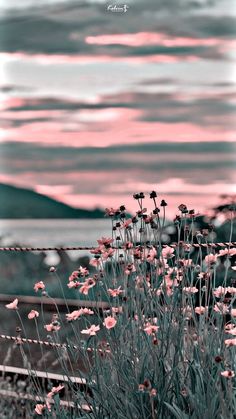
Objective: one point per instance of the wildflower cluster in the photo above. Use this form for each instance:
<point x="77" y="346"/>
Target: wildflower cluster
<point x="163" y="344"/>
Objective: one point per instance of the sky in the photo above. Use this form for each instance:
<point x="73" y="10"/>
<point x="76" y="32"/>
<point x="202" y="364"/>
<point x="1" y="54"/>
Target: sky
<point x="97" y="105"/>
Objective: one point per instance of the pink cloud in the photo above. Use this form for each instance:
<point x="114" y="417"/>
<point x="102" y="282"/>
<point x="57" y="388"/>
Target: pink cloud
<point x="152" y="38"/>
<point x="54" y="190"/>
<point x="11" y="102"/>
<point x="121" y="131"/>
<point x="193" y="194"/>
<point x="47" y="59"/>
<point x="173" y="186"/>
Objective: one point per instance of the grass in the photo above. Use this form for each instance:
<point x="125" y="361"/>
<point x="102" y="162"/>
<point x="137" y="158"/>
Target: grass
<point x="165" y="347"/>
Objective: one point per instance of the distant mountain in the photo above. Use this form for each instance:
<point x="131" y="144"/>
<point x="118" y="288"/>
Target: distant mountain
<point x="25" y="203"/>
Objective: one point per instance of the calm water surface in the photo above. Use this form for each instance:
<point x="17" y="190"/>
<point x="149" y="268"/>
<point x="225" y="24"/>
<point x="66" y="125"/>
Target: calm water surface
<point x="48" y="233"/>
<point x="54" y="232"/>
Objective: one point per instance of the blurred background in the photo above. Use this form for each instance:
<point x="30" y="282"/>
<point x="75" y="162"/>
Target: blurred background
<point x="99" y="102"/>
<point x="96" y="105"/>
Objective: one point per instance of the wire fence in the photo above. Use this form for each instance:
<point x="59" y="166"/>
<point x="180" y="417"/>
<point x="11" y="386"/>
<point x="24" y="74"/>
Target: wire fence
<point x="20" y="340"/>
<point x="174" y="245"/>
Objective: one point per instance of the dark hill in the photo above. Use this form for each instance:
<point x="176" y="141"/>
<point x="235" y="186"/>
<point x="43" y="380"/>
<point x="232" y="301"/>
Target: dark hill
<point x="25" y="203"/>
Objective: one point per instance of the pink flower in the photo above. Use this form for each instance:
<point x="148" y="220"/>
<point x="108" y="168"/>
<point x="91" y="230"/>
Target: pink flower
<point x="153" y="392"/>
<point x="223" y="252"/>
<point x="51" y="327"/>
<point x="187" y="262"/>
<point x="89" y="283"/>
<point x="219" y="292"/>
<point x="210" y="259"/>
<point x="110" y="211"/>
<point x="110" y="322"/>
<point x="233" y="312"/>
<point x="231" y="290"/>
<point x="229" y="326"/>
<point x="84" y="289"/>
<point x="83" y="271"/>
<point x="13" y="305"/>
<point x="150" y="328"/>
<point x="187" y="247"/>
<point x="58" y="388"/>
<point x="91" y="330"/>
<point x="77" y="313"/>
<point x="54" y="391"/>
<point x="95" y="262"/>
<point x="32" y="314"/>
<point x="141" y="212"/>
<point x="168" y="252"/>
<point x="115" y="292"/>
<point x="116" y="309"/>
<point x="202" y="275"/>
<point x="73" y="276"/>
<point x="228" y="374"/>
<point x="97" y="251"/>
<point x="127" y="223"/>
<point x="167" y="286"/>
<point x="232" y="331"/>
<point x="86" y="311"/>
<point x="230" y="342"/>
<point x="151" y="255"/>
<point x="200" y="310"/>
<point x="128" y="245"/>
<point x="169" y="282"/>
<point x="137" y="253"/>
<point x="190" y="290"/>
<point x="221" y="308"/>
<point x="108" y="253"/>
<point x="229" y="252"/>
<point x="130" y="268"/>
<point x="106" y="241"/>
<point x="39" y="286"/>
<point x="187" y="312"/>
<point x="39" y="408"/>
<point x="73" y="316"/>
<point x="73" y="284"/>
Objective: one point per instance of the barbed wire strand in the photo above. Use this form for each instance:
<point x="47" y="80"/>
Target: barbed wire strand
<point x="19" y="340"/>
<point x="58" y="249"/>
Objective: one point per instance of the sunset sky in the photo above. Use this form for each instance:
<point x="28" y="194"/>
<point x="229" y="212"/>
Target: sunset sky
<point x="98" y="105"/>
